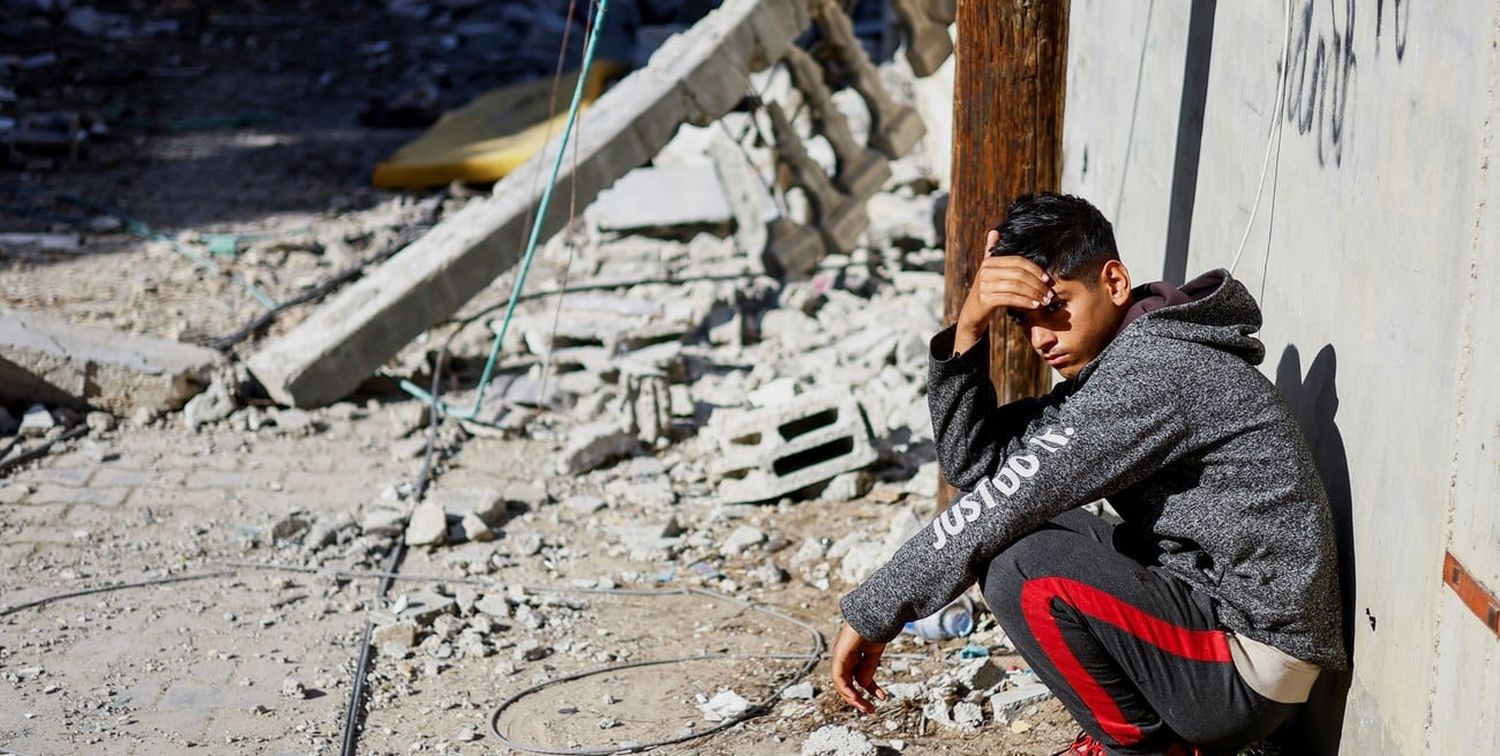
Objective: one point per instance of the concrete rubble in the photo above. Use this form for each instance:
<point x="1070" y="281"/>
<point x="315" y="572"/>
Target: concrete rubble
<point x="50" y="360"/>
<point x="838" y="740"/>
<point x="634" y="203"/>
<point x="694" y="77"/>
<point x="731" y="396"/>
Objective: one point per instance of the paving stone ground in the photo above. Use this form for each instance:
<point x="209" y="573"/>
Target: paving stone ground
<point x="201" y="665"/>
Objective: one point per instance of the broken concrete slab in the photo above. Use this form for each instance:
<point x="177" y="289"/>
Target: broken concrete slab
<point x="978" y="674"/>
<point x="382" y="521"/>
<point x="742" y="538"/>
<point x="581" y="506"/>
<point x="51" y="360"/>
<point x="652" y="199"/>
<point x="421" y="607"/>
<point x="1005" y="705"/>
<point x="848" y="486"/>
<point x="652" y="492"/>
<point x="395" y="638"/>
<point x="803" y="690"/>
<point x="527" y="494"/>
<point x="574" y="329"/>
<point x="650" y="541"/>
<point x="695" y="77"/>
<point x="749" y="198"/>
<point x="475" y="528"/>
<point x="493" y="605"/>
<point x="591" y="446"/>
<point x="967" y="717"/>
<point x="488" y="504"/>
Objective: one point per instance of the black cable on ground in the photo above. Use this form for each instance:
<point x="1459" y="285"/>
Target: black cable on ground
<point x="353" y="714"/>
<point x="406" y="237"/>
<point x="753" y="711"/>
<point x="810" y="660"/>
<point x="42" y="449"/>
<point x="352" y="717"/>
<point x="9" y="610"/>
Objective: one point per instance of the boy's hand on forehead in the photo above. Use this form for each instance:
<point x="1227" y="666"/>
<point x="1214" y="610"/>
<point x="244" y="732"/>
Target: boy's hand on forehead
<point x="1002" y="281"/>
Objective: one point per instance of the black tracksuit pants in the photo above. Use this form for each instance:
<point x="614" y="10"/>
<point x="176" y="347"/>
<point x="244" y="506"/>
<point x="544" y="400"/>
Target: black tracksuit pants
<point x="1135" y="654"/>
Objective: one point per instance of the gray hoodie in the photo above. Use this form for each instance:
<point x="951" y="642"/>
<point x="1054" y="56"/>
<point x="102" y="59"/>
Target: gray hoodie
<point x="1172" y="423"/>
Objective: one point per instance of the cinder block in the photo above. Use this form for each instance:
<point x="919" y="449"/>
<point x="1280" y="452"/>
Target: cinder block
<point x="775" y="451"/>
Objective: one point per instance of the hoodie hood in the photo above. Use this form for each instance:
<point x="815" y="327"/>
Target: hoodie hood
<point x="1213" y="309"/>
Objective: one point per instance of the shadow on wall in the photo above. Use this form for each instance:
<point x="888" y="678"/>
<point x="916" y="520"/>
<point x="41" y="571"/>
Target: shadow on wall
<point x="1314" y="399"/>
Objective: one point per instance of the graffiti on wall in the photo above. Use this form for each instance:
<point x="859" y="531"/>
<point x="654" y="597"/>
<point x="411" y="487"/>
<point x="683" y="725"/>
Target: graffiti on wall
<point x="1400" y="15"/>
<point x="1323" y="67"/>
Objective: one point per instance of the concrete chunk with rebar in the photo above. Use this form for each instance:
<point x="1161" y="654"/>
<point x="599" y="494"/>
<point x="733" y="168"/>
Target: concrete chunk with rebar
<point x="695" y="77"/>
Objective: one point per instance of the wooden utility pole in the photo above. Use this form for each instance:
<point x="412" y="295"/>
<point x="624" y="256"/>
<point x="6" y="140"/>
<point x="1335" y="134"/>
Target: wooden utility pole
<point x="1008" y="87"/>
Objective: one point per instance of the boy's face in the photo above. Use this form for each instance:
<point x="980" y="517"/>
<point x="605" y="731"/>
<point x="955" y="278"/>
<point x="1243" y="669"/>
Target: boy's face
<point x="1081" y="320"/>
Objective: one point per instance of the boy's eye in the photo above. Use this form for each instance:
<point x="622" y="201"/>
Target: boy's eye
<point x="1054" y="306"/>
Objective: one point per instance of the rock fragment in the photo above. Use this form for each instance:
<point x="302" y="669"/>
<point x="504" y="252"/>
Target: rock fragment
<point x="428" y="526"/>
<point x="591" y="446"/>
<point x="837" y="740"/>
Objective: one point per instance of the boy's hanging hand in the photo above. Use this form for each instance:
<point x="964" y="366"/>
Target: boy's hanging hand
<point x="854" y="663"/>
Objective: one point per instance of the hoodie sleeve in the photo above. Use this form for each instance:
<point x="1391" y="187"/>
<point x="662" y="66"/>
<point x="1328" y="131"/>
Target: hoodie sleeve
<point x="1114" y="431"/>
<point x="970" y="431"/>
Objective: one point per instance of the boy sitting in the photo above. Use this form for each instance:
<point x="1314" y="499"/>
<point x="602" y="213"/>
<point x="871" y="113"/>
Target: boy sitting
<point x="1203" y="617"/>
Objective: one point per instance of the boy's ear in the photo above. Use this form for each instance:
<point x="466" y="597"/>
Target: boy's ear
<point x="1115" y="278"/>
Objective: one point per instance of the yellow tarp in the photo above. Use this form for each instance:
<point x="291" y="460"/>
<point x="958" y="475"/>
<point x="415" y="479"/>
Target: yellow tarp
<point x="491" y="136"/>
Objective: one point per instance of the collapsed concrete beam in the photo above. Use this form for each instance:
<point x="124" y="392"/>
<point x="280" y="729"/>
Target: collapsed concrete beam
<point x="695" y="77"/>
<point x="45" y="359"/>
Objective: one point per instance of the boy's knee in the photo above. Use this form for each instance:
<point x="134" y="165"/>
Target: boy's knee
<point x="1028" y="557"/>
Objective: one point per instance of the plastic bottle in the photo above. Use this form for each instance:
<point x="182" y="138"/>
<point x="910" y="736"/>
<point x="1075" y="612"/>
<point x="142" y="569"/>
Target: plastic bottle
<point x="952" y="621"/>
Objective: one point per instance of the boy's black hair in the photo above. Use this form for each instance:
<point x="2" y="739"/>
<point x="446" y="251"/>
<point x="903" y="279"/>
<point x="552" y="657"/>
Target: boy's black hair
<point x="1063" y="234"/>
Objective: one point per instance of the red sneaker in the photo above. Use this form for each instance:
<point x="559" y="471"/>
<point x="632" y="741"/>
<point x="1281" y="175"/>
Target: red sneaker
<point x="1084" y="745"/>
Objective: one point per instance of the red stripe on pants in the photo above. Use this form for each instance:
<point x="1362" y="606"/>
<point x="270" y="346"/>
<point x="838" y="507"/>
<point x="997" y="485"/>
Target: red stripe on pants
<point x="1036" y="605"/>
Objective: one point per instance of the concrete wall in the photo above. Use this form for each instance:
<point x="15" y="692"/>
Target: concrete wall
<point x="1375" y="253"/>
